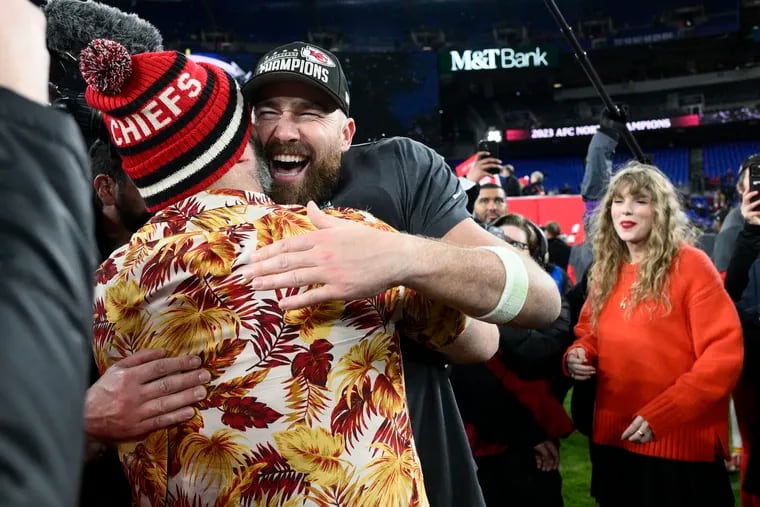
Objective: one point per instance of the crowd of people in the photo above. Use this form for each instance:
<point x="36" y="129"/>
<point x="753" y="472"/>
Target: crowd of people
<point x="277" y="316"/>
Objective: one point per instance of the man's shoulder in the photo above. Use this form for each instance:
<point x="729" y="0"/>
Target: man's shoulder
<point x="390" y="144"/>
<point x="390" y="149"/>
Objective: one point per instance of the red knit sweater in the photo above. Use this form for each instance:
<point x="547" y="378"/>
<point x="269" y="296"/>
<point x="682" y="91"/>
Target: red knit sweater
<point x="676" y="371"/>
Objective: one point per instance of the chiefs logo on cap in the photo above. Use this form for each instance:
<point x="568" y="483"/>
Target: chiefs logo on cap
<point x="315" y="55"/>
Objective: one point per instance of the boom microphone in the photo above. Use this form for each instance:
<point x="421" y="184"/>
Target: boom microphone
<point x="73" y="24"/>
<point x="596" y="82"/>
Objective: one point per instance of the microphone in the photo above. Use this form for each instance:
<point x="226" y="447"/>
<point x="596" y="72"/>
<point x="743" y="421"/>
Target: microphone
<point x="73" y="24"/>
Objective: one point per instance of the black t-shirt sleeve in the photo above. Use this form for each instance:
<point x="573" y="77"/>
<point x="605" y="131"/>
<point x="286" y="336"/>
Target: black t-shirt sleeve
<point x="433" y="198"/>
<point x="404" y="183"/>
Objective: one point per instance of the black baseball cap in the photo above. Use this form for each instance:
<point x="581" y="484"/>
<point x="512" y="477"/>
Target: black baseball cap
<point x="751" y="160"/>
<point x="302" y="62"/>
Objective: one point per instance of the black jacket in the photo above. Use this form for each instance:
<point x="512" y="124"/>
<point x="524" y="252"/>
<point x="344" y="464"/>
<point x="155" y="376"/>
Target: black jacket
<point x="747" y="395"/>
<point x="532" y="354"/>
<point x="537" y="353"/>
<point x="746" y="251"/>
<point x="46" y="260"/>
<point x="559" y="252"/>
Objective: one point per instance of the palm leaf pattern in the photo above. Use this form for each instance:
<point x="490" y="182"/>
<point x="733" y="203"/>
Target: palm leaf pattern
<point x="304" y="408"/>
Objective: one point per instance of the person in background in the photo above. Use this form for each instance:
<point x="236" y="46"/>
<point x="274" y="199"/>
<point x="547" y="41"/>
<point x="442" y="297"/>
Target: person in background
<point x="512" y="404"/>
<point x="47" y="251"/>
<point x="559" y="251"/>
<point x="536" y="185"/>
<point x="733" y="222"/>
<point x="724" y="245"/>
<point x="490" y="204"/>
<point x="119" y="211"/>
<point x="537" y="245"/>
<point x="746" y="396"/>
<point x="509" y="182"/>
<point x="596" y="178"/>
<point x="479" y="169"/>
<point x="660" y="434"/>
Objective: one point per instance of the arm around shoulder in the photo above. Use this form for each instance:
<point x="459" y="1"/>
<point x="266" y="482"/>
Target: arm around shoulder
<point x="485" y="273"/>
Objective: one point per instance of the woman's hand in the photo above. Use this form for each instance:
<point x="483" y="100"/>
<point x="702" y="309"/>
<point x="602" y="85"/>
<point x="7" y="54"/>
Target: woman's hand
<point x="576" y="364"/>
<point x="638" y="432"/>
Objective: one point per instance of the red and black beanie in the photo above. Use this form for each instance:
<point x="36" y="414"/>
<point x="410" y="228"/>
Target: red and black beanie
<point x="178" y="125"/>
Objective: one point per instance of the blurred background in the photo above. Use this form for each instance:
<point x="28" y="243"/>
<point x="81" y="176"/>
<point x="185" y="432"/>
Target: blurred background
<point x="452" y="72"/>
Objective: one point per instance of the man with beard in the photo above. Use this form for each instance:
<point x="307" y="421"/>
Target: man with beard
<point x="490" y="204"/>
<point x="306" y="407"/>
<point x="120" y="211"/>
<point x="420" y="196"/>
<point x="301" y="103"/>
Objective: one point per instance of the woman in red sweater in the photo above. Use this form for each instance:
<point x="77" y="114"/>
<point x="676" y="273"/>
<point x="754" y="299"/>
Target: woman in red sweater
<point x="664" y="341"/>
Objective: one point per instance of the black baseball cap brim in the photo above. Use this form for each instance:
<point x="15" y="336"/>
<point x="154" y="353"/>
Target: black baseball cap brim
<point x="252" y="89"/>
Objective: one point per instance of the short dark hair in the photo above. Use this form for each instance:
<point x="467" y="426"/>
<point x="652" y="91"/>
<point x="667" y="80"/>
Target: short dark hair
<point x="490" y="185"/>
<point x="105" y="160"/>
<point x="553" y="228"/>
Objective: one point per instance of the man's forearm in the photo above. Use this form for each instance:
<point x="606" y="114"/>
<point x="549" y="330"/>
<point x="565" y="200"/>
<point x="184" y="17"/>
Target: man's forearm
<point x="472" y="280"/>
<point x="478" y="343"/>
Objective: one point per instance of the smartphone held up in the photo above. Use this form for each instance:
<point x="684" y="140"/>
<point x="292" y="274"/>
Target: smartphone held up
<point x="492" y="150"/>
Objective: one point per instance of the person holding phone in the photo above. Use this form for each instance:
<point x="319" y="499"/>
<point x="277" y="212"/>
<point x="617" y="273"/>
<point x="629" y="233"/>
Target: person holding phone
<point x="733" y="222"/>
<point x="484" y="168"/>
<point x="739" y="273"/>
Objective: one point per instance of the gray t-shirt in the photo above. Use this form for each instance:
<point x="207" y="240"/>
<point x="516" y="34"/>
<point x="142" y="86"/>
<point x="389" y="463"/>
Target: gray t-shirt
<point x="726" y="239"/>
<point x="409" y="186"/>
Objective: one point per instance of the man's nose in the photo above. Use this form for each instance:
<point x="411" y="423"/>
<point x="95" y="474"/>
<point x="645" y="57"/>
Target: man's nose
<point x="286" y="130"/>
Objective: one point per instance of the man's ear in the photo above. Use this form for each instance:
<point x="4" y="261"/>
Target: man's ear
<point x="349" y="129"/>
<point x="105" y="189"/>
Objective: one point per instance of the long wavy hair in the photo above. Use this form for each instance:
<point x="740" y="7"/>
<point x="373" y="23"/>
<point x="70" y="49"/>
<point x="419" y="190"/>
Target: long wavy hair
<point x="670" y="230"/>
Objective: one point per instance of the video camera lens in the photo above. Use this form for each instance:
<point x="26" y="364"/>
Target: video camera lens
<point x="66" y="88"/>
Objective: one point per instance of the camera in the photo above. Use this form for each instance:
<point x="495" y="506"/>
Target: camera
<point x="66" y="88"/>
<point x="492" y="148"/>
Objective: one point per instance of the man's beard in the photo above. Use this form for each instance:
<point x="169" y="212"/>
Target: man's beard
<point x="132" y="219"/>
<point x="318" y="184"/>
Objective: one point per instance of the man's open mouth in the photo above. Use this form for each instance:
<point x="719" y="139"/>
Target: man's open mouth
<point x="288" y="167"/>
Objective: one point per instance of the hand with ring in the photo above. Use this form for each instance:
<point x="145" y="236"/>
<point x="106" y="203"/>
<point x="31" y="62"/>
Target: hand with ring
<point x="638" y="431"/>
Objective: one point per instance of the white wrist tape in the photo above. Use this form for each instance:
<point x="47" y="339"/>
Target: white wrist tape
<point x="515" y="288"/>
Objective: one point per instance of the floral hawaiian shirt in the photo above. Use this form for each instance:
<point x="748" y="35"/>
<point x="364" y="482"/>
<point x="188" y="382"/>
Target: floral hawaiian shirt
<point x="304" y="407"/>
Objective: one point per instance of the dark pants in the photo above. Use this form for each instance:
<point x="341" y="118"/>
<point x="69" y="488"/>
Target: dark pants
<point x="511" y="479"/>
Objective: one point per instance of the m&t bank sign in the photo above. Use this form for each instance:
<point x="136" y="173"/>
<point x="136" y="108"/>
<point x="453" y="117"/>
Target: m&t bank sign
<point x="498" y="59"/>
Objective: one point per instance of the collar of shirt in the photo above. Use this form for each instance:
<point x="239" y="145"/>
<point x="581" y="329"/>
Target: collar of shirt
<point x="212" y="199"/>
